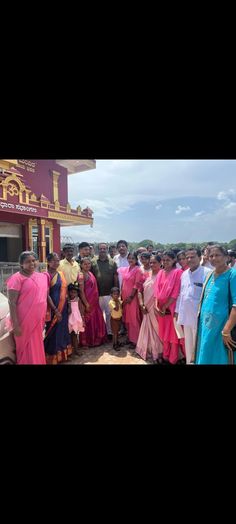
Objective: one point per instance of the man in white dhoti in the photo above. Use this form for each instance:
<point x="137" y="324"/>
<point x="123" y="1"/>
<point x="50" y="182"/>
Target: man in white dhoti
<point x="187" y="304"/>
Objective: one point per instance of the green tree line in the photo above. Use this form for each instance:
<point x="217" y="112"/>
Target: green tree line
<point x="133" y="246"/>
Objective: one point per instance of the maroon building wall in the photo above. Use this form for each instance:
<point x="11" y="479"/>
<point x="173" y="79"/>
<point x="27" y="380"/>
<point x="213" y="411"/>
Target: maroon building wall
<point x="14" y="218"/>
<point x="37" y="176"/>
<point x="56" y="238"/>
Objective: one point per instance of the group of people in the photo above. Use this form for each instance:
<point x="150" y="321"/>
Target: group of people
<point x="170" y="307"/>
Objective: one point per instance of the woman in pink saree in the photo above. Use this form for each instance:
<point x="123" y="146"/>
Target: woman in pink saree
<point x="132" y="280"/>
<point x="149" y="343"/>
<point x="145" y="265"/>
<point x="95" y="327"/>
<point x="27" y="295"/>
<point x="167" y="288"/>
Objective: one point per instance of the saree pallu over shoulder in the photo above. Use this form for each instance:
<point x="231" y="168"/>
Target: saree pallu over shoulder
<point x="95" y="327"/>
<point x="31" y="311"/>
<point x="168" y="286"/>
<point x="218" y="293"/>
<point x="148" y="340"/>
<point x="132" y="279"/>
<point x="198" y="315"/>
<point x="58" y="294"/>
<point x="57" y="339"/>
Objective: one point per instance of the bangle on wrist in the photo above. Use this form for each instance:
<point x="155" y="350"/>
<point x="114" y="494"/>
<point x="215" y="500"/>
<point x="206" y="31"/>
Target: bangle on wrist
<point x="225" y="334"/>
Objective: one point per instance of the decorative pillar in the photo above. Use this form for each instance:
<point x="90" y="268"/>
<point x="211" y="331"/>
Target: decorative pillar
<point x="4" y="190"/>
<point x="27" y="194"/>
<point x="55" y="177"/>
<point x="25" y="237"/>
<point x="42" y="242"/>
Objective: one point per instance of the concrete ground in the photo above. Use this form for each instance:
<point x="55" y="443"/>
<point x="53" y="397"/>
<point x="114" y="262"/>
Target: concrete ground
<point x="106" y="355"/>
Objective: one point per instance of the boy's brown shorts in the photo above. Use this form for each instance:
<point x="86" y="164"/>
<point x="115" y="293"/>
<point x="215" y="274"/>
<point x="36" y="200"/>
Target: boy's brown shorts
<point x="115" y="325"/>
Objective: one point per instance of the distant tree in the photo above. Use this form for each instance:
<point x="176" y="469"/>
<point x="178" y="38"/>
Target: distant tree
<point x="180" y="245"/>
<point x="133" y="246"/>
<point x="145" y="243"/>
<point x="192" y="244"/>
<point x="232" y="244"/>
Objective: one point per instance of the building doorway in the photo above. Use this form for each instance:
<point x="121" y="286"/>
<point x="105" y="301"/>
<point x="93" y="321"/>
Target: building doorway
<point x="10" y="242"/>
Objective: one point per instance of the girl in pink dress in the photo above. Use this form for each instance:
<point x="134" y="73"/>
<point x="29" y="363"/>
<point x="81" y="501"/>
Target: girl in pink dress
<point x="131" y="283"/>
<point x="166" y="291"/>
<point x="27" y="295"/>
<point x="75" y="321"/>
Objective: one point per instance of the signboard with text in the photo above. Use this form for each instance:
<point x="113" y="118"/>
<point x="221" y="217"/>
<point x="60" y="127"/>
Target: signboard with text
<point x="27" y="165"/>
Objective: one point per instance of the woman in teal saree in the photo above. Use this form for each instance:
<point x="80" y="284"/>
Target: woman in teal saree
<point x="217" y="313"/>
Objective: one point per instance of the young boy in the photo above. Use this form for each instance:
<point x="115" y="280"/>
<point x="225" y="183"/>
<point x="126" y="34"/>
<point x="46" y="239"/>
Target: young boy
<point x="115" y="306"/>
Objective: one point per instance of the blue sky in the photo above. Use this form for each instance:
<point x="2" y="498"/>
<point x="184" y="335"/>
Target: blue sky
<point x="162" y="200"/>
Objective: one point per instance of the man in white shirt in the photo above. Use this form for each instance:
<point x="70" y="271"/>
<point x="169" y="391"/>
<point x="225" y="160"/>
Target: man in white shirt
<point x="205" y="259"/>
<point x="121" y="260"/>
<point x="232" y="258"/>
<point x="190" y="293"/>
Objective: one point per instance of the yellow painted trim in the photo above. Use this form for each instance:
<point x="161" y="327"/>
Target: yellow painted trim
<point x="7" y="164"/>
<point x="50" y="226"/>
<point x="32" y="222"/>
<point x="55" y="177"/>
<point x="70" y="218"/>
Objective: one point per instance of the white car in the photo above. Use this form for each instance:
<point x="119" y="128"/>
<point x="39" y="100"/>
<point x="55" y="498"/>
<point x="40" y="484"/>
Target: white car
<point x="7" y="344"/>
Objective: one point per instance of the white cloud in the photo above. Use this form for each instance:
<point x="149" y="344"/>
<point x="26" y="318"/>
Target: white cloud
<point x="114" y="205"/>
<point x="229" y="203"/>
<point x="180" y="209"/>
<point x="226" y="195"/>
<point x="230" y="209"/>
<point x="199" y="213"/>
<point x="222" y="195"/>
<point x="87" y="233"/>
<point x="109" y="206"/>
<point x="116" y="190"/>
<point x="100" y="207"/>
<point x="136" y="180"/>
<point x="156" y="179"/>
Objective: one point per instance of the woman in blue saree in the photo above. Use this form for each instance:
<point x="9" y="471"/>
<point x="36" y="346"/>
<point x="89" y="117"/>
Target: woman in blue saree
<point x="57" y="338"/>
<point x="217" y="313"/>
